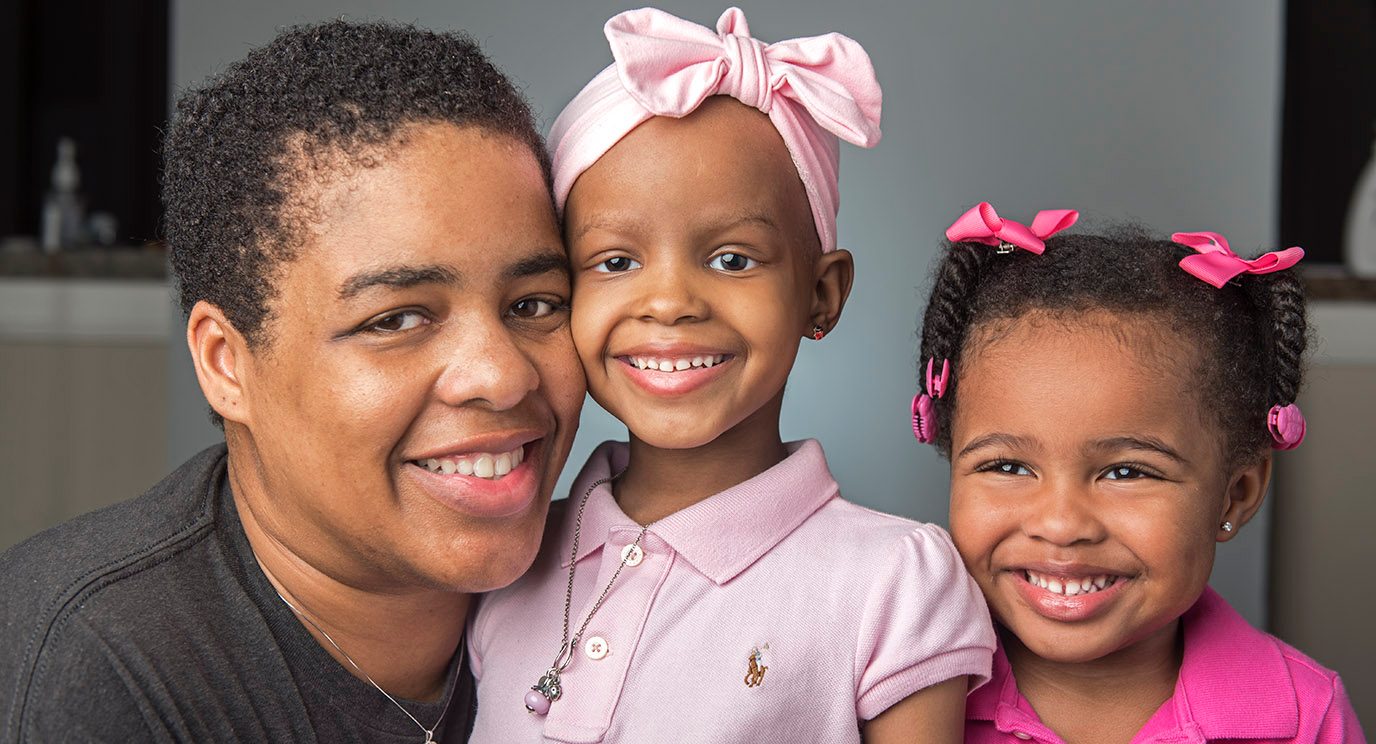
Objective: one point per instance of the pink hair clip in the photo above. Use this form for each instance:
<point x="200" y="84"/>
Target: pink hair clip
<point x="1216" y="263"/>
<point x="981" y="224"/>
<point x="1287" y="426"/>
<point x="923" y="406"/>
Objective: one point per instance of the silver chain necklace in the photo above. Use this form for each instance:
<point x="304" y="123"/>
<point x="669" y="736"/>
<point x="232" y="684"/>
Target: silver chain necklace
<point x="429" y="732"/>
<point x="550" y="687"/>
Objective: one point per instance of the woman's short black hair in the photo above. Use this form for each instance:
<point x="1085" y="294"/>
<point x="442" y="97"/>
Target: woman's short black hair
<point x="1250" y="335"/>
<point x="241" y="145"/>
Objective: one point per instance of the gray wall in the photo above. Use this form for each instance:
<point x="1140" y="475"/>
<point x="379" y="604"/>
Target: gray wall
<point x="1163" y="112"/>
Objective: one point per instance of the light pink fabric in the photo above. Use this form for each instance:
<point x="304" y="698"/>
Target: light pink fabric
<point x="1236" y="683"/>
<point x="852" y="610"/>
<point x="814" y="90"/>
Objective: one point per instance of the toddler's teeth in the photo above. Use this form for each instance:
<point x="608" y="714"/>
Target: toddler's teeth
<point x="466" y="467"/>
<point x="484" y="466"/>
<point x="708" y="362"/>
<point x="697" y="361"/>
<point x="682" y="364"/>
<point x="1071" y="588"/>
<point x="1086" y="584"/>
<point x="666" y="366"/>
<point x="502" y="465"/>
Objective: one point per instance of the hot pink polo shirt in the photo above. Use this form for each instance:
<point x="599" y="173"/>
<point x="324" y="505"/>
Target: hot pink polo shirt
<point x="850" y="611"/>
<point x="1236" y="683"/>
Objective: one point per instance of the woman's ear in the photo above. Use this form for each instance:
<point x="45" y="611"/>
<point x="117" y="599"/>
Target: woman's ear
<point x="835" y="273"/>
<point x="1246" y="489"/>
<point x="219" y="354"/>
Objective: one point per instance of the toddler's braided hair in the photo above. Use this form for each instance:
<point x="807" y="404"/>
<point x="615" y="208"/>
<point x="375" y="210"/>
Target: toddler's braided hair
<point x="1250" y="335"/>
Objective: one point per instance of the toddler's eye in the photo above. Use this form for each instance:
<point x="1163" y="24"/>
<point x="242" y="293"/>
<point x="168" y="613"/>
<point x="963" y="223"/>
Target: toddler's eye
<point x="1006" y="467"/>
<point x="398" y="322"/>
<point x="617" y="264"/>
<point x="732" y="262"/>
<point x="1124" y="472"/>
<point x="534" y="307"/>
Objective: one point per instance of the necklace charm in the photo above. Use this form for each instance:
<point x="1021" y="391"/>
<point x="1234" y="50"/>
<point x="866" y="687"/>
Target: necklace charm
<point x="544" y="692"/>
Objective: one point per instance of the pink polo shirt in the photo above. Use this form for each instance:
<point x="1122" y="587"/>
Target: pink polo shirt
<point x="842" y="610"/>
<point x="1236" y="683"/>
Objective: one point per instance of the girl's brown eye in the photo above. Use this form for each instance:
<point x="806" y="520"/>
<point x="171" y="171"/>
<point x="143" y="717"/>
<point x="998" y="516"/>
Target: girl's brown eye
<point x="617" y="264"/>
<point x="732" y="262"/>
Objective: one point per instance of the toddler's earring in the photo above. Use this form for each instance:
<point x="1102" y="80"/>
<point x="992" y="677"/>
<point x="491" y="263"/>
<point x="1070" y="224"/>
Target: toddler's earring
<point x="1227" y="526"/>
<point x="818" y="333"/>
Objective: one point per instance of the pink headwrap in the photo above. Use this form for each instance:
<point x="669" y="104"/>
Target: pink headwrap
<point x="814" y="90"/>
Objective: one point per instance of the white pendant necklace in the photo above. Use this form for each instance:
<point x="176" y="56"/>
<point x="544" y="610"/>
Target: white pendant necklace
<point x="550" y="687"/>
<point x="429" y="732"/>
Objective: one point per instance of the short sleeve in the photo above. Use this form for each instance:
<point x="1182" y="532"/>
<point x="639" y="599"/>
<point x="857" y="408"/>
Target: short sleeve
<point x="1339" y="725"/>
<point x="924" y="622"/>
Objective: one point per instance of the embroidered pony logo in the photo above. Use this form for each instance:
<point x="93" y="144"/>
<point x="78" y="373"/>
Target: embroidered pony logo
<point x="754" y="677"/>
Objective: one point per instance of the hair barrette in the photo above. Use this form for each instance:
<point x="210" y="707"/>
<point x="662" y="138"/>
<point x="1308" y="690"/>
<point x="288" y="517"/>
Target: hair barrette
<point x="981" y="224"/>
<point x="924" y="406"/>
<point x="1216" y="264"/>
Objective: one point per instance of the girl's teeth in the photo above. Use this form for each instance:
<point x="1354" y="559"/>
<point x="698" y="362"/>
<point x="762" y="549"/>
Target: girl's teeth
<point x="1068" y="586"/>
<point x="676" y="364"/>
<point x="482" y="465"/>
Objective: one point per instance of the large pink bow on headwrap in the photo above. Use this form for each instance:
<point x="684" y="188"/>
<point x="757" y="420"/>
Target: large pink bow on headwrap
<point x="981" y="224"/>
<point x="1217" y="264"/>
<point x="815" y="90"/>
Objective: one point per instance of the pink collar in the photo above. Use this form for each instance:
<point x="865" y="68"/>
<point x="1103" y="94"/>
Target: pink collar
<point x="1233" y="684"/>
<point x="721" y="535"/>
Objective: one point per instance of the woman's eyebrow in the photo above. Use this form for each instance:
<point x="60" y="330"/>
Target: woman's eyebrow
<point x="546" y="262"/>
<point x="396" y="277"/>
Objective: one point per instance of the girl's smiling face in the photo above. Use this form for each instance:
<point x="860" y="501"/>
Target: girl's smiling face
<point x="1087" y="485"/>
<point x="696" y="273"/>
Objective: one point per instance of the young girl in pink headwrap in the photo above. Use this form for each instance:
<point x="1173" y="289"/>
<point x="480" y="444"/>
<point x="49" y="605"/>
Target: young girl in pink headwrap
<point x="706" y="581"/>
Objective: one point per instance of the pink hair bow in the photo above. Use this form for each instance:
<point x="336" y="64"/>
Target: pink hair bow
<point x="1217" y="264"/>
<point x="981" y="224"/>
<point x="815" y="90"/>
<point x="670" y="66"/>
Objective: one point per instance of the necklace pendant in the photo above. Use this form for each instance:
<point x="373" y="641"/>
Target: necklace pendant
<point x="544" y="692"/>
<point x="430" y="738"/>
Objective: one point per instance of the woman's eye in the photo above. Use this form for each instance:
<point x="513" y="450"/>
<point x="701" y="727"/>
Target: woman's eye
<point x="398" y="322"/>
<point x="534" y="307"/>
<point x="1124" y="472"/>
<point x="617" y="265"/>
<point x="732" y="262"/>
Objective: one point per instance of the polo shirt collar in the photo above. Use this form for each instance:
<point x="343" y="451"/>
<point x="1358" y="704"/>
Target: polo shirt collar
<point x="721" y="535"/>
<point x="1225" y="661"/>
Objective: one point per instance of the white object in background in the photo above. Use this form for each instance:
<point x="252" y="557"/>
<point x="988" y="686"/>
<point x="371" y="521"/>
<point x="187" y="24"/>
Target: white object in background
<point x="63" y="211"/>
<point x="1360" y="236"/>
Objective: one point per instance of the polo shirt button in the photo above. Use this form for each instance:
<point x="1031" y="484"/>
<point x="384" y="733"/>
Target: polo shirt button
<point x="595" y="648"/>
<point x="1022" y="735"/>
<point x="632" y="555"/>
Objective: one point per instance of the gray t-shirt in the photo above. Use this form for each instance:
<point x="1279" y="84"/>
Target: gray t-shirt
<point x="151" y="621"/>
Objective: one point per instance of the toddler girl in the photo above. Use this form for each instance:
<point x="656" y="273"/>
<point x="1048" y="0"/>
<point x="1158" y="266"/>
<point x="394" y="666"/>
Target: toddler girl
<point x="706" y="582"/>
<point x="1109" y="405"/>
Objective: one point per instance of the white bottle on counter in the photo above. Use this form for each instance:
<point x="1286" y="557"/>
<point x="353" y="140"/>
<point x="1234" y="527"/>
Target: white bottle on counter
<point x="63" y="208"/>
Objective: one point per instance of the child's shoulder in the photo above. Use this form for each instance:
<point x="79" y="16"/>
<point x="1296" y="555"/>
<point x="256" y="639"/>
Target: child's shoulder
<point x="851" y="524"/>
<point x="1227" y="659"/>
